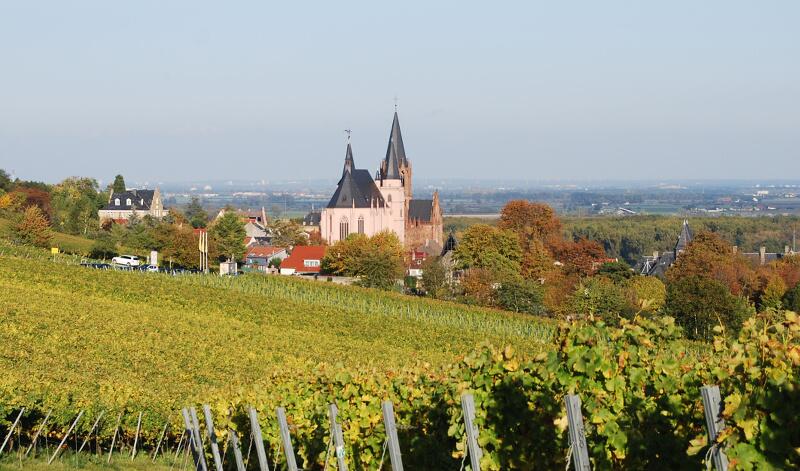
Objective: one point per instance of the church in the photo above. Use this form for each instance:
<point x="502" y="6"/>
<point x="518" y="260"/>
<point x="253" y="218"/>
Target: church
<point x="367" y="206"/>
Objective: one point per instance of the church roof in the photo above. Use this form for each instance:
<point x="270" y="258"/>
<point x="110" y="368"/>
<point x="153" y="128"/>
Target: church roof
<point x="421" y="210"/>
<point x="685" y="237"/>
<point x="450" y="244"/>
<point x="356" y="188"/>
<point x="395" y="153"/>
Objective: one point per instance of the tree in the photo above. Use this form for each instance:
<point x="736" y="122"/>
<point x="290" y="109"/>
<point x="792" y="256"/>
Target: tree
<point x="434" y="277"/>
<point x="700" y="303"/>
<point x="197" y="216"/>
<point x="709" y="256"/>
<point x="227" y="236"/>
<point x="376" y="260"/>
<point x="521" y="295"/>
<point x="478" y="285"/>
<point x="119" y="185"/>
<point x="618" y="272"/>
<point x="772" y="296"/>
<point x="648" y="293"/>
<point x="5" y="181"/>
<point x="103" y="246"/>
<point x="529" y="220"/>
<point x="537" y="262"/>
<point x="580" y="257"/>
<point x="286" y="233"/>
<point x="487" y="247"/>
<point x="33" y="228"/>
<point x="600" y="299"/>
<point x="791" y="300"/>
<point x="75" y="202"/>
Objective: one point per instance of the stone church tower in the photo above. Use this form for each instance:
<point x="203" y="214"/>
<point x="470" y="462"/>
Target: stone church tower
<point x="363" y="205"/>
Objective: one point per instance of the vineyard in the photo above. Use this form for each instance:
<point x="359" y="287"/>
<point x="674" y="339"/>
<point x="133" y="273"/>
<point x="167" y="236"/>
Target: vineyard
<point x="121" y="344"/>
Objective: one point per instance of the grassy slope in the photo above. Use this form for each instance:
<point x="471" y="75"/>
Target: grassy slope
<point x="146" y="337"/>
<point x="65" y="242"/>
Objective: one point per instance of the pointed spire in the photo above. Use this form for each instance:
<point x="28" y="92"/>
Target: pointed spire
<point x="395" y="153"/>
<point x="685" y="237"/>
<point x="349" y="165"/>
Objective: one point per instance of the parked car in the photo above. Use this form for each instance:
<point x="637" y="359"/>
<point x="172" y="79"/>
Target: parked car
<point x="148" y="268"/>
<point x="127" y="260"/>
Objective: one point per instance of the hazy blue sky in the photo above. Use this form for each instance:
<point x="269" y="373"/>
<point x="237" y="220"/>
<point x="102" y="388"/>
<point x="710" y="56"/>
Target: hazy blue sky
<point x="187" y="90"/>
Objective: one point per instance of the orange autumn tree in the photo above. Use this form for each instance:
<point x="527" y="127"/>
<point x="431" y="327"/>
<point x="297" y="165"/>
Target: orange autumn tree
<point x="709" y="256"/>
<point x="535" y="225"/>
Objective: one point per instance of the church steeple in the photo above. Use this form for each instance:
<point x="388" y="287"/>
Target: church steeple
<point x="349" y="165"/>
<point x="395" y="153"/>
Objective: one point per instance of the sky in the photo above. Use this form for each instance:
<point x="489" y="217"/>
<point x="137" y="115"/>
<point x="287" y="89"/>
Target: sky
<point x="195" y="90"/>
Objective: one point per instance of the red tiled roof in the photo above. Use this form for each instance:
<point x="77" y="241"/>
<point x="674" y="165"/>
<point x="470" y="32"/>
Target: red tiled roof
<point x="302" y="253"/>
<point x="265" y="251"/>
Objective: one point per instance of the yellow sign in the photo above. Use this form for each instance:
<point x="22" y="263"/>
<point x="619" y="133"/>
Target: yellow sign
<point x="54" y="250"/>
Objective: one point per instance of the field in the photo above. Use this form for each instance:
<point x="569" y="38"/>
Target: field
<point x="127" y="343"/>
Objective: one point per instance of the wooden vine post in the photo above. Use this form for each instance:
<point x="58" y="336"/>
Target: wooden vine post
<point x="712" y="406"/>
<point x="577" y="433"/>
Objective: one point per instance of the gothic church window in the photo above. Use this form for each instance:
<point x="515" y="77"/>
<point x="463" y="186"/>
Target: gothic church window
<point x="344" y="229"/>
<point x="361" y="224"/>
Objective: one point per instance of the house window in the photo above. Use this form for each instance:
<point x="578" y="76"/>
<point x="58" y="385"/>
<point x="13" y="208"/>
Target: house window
<point x="128" y="202"/>
<point x="116" y="201"/>
<point x="344" y="229"/>
<point x="361" y="224"/>
<point x="310" y="263"/>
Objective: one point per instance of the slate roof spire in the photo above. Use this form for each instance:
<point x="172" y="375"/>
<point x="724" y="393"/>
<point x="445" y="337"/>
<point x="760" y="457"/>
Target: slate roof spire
<point x="684" y="238"/>
<point x="349" y="164"/>
<point x="395" y="153"/>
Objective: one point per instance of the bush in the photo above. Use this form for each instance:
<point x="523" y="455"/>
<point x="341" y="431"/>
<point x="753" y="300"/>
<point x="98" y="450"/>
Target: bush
<point x="33" y="228"/>
<point x="791" y="300"/>
<point x="599" y="298"/>
<point x="699" y="304"/>
<point x="521" y="296"/>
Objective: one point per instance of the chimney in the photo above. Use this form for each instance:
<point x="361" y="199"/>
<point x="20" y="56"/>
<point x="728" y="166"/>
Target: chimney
<point x="762" y="255"/>
<point x="735" y="249"/>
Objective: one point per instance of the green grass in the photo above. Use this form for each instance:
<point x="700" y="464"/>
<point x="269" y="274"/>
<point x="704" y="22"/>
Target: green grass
<point x="88" y="462"/>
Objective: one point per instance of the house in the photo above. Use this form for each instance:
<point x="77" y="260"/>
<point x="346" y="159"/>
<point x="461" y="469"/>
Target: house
<point x="415" y="260"/>
<point x="259" y="256"/>
<point x="657" y="264"/>
<point x="311" y="221"/>
<point x="363" y="205"/>
<point x="123" y="205"/>
<point x="304" y="260"/>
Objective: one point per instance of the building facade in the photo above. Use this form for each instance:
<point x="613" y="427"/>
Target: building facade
<point x="122" y="205"/>
<point x="367" y="206"/>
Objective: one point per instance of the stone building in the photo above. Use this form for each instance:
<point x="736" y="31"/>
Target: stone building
<point x="122" y="205"/>
<point x="367" y="206"/>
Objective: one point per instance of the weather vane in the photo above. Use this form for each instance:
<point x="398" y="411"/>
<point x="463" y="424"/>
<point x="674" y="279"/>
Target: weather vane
<point x="348" y="131"/>
<point x="395" y="103"/>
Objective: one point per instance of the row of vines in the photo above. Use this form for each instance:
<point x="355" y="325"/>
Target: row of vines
<point x="639" y="387"/>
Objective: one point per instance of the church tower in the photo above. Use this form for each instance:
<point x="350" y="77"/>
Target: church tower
<point x="394" y="180"/>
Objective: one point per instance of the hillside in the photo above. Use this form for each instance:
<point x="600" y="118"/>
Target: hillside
<point x="92" y="332"/>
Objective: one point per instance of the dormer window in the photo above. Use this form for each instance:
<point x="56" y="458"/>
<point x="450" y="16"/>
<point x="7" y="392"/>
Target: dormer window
<point x="116" y="201"/>
<point x="141" y="201"/>
<point x="128" y="202"/>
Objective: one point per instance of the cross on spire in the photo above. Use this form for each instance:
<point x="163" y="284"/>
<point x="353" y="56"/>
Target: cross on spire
<point x="395" y="103"/>
<point x="348" y="131"/>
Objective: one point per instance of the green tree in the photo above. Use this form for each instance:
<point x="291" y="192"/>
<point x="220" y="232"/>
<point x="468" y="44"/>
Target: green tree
<point x="103" y="246"/>
<point x="648" y="293"/>
<point x="487" y="247"/>
<point x="197" y="216"/>
<point x="119" y="184"/>
<point x="5" y="181"/>
<point x="227" y="236"/>
<point x="600" y="299"/>
<point x="772" y="296"/>
<point x="699" y="304"/>
<point x="287" y="233"/>
<point x="434" y="277"/>
<point x="376" y="260"/>
<point x="521" y="295"/>
<point x="75" y="202"/>
<point x="791" y="300"/>
<point x="618" y="272"/>
<point x="32" y="228"/>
